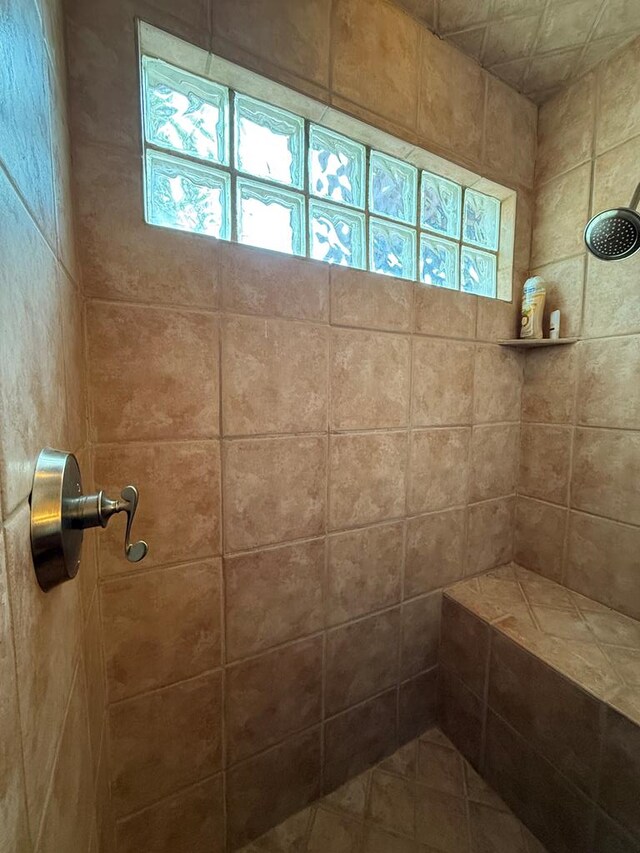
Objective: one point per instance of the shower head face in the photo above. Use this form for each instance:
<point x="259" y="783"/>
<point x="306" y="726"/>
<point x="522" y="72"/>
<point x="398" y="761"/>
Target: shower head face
<point x="613" y="234"/>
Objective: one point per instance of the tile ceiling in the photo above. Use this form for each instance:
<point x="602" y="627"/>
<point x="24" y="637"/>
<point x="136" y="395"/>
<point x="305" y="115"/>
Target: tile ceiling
<point x="536" y="46"/>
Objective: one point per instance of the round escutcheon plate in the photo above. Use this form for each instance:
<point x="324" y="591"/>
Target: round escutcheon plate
<point x="55" y="541"/>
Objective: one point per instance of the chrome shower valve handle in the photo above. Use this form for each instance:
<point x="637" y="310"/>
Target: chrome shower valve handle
<point x="135" y="551"/>
<point x="96" y="510"/>
<point x="60" y="512"/>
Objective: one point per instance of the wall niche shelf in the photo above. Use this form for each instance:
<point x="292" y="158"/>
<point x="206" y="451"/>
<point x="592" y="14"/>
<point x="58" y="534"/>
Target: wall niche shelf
<point x="536" y="342"/>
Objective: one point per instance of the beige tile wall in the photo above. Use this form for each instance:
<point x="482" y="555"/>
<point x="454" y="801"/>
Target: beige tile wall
<point x="302" y="565"/>
<point x="52" y="698"/>
<point x="578" y="514"/>
<point x="309" y="443"/>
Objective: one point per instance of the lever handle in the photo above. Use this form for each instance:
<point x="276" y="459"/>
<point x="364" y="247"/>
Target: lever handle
<point x="135" y="551"/>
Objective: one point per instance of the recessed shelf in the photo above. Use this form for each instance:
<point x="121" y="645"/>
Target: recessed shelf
<point x="531" y="343"/>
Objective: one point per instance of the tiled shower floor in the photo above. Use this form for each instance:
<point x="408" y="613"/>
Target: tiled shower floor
<point x="423" y="799"/>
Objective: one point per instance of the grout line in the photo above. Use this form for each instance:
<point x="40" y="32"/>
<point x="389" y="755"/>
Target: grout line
<point x="166" y="797"/>
<point x="587" y="260"/>
<point x="11" y="638"/>
<point x="23" y="203"/>
<point x="466" y="520"/>
<point x="581" y="426"/>
<point x="555" y="770"/>
<point x="534" y="42"/>
<point x="103" y="669"/>
<point x="112" y="579"/>
<point x="589" y="40"/>
<point x="321" y="323"/>
<point x="572" y="456"/>
<point x="590" y="158"/>
<point x="105" y="580"/>
<point x="56" y="753"/>
<point x="116" y="703"/>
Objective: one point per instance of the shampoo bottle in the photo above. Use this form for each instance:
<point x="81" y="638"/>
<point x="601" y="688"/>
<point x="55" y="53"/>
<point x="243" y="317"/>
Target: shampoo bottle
<point x="533" y="298"/>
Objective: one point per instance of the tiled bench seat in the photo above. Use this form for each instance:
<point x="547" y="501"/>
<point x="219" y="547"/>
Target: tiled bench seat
<point x="540" y="690"/>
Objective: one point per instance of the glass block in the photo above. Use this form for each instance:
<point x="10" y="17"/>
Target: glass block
<point x="393" y="188"/>
<point x="439" y="262"/>
<point x="336" y="234"/>
<point x="269" y="142"/>
<point x="187" y="196"/>
<point x="478" y="272"/>
<point x="481" y="220"/>
<point x="441" y="203"/>
<point x="392" y="249"/>
<point x="184" y="112"/>
<point x="270" y="218"/>
<point x="336" y="167"/>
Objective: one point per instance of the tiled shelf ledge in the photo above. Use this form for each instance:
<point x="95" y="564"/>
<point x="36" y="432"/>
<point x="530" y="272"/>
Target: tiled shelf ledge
<point x="581" y="639"/>
<point x="537" y="689"/>
<point x="537" y="342"/>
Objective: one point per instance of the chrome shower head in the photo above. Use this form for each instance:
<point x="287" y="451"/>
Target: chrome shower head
<point x="615" y="234"/>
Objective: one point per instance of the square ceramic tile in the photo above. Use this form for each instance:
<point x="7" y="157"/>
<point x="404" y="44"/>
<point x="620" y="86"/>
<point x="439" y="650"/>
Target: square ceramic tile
<point x="370" y="375"/>
<point x="272" y="696"/>
<point x="602" y="482"/>
<point x="442" y="382"/>
<point x="170" y="387"/>
<point x="165" y="740"/>
<point x="274" y="376"/>
<point x="497" y="384"/>
<point x="390" y="87"/>
<point x="160" y="627"/>
<point x="361" y="659"/>
<point x="122" y="256"/>
<point x="435" y="551"/>
<point x="269" y="787"/>
<point x="364" y="571"/>
<point x="272" y="596"/>
<point x="438" y="469"/>
<point x="367" y="477"/>
<point x="192" y="818"/>
<point x="494" y="461"/>
<point x="359" y="737"/>
<point x="160" y="471"/>
<point x="275" y="490"/>
<point x="544" y="462"/>
<point x="370" y="301"/>
<point x="420" y="634"/>
<point x="255" y="281"/>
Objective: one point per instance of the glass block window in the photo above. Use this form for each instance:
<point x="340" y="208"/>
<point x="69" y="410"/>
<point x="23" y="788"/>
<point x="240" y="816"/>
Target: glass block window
<point x="479" y="272"/>
<point x="187" y="196"/>
<point x="393" y="187"/>
<point x="268" y="142"/>
<point x="270" y="218"/>
<point x="336" y="167"/>
<point x="481" y="220"/>
<point x="185" y="113"/>
<point x="336" y="234"/>
<point x="221" y="163"/>
<point x="392" y="249"/>
<point x="438" y="262"/>
<point x="441" y="204"/>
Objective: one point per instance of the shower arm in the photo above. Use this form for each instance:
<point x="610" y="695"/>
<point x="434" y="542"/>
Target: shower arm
<point x="635" y="201"/>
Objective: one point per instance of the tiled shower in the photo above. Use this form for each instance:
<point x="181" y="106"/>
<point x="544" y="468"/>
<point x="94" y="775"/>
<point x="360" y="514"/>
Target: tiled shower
<point x="323" y="456"/>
